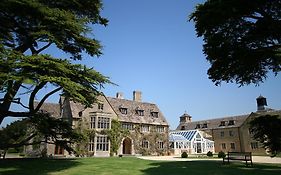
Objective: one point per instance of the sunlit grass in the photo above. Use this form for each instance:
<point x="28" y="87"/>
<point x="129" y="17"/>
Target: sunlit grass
<point x="130" y="166"/>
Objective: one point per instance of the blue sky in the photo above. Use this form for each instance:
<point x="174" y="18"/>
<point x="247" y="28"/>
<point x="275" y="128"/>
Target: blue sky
<point x="150" y="46"/>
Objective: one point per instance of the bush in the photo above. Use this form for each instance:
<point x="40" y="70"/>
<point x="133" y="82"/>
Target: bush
<point x="12" y="150"/>
<point x="221" y="154"/>
<point x="22" y="154"/>
<point x="184" y="155"/>
<point x="209" y="154"/>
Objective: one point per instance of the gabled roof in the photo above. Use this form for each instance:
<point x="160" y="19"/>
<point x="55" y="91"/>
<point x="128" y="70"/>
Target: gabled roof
<point x="132" y="116"/>
<point x="75" y="108"/>
<point x="215" y="123"/>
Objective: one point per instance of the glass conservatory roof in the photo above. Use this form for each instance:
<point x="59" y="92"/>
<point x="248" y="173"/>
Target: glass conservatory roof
<point x="187" y="135"/>
<point x="176" y="137"/>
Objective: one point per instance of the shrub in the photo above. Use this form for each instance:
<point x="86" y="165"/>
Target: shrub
<point x="209" y="154"/>
<point x="184" y="155"/>
<point x="22" y="154"/>
<point x="221" y="154"/>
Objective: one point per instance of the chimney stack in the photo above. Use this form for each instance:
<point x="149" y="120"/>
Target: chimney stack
<point x="119" y="95"/>
<point x="137" y="96"/>
<point x="261" y="103"/>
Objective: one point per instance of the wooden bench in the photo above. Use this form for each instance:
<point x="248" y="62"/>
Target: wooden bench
<point x="242" y="156"/>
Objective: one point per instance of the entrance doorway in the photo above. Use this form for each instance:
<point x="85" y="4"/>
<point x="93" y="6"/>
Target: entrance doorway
<point x="127" y="146"/>
<point x="59" y="150"/>
<point x="199" y="148"/>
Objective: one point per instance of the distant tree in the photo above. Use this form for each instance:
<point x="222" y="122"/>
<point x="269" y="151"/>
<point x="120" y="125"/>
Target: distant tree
<point x="266" y="130"/>
<point x="28" y="28"/>
<point x="41" y="128"/>
<point x="242" y="39"/>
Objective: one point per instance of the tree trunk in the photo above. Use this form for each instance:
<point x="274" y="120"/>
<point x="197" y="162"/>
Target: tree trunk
<point x="1" y="118"/>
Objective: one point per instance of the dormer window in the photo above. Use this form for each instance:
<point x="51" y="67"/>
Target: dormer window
<point x="154" y="114"/>
<point x="100" y="106"/>
<point x="123" y="110"/>
<point x="80" y="114"/>
<point x="231" y="122"/>
<point x="140" y="112"/>
<point x="222" y="123"/>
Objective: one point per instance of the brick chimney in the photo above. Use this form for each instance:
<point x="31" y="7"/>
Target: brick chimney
<point x="137" y="96"/>
<point x="119" y="95"/>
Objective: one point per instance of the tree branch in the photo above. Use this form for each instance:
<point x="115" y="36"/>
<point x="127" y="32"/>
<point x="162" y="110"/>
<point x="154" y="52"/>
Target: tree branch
<point x="43" y="48"/>
<point x="33" y="51"/>
<point x="27" y="139"/>
<point x="45" y="97"/>
<point x="17" y="114"/>
<point x="32" y="95"/>
<point x="13" y="88"/>
<point x="19" y="102"/>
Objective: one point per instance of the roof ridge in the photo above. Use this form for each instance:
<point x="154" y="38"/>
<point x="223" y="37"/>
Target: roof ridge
<point x="131" y="100"/>
<point x="46" y="102"/>
<point x="242" y="115"/>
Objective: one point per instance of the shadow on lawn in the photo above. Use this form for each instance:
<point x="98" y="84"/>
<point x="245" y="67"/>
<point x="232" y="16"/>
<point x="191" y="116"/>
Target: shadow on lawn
<point x="210" y="168"/>
<point x="35" y="166"/>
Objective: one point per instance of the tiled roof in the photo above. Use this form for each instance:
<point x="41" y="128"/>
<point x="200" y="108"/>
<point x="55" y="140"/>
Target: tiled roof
<point x="132" y="116"/>
<point x="52" y="108"/>
<point x="75" y="108"/>
<point x="215" y="123"/>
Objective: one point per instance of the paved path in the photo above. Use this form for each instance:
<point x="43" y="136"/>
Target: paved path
<point x="256" y="159"/>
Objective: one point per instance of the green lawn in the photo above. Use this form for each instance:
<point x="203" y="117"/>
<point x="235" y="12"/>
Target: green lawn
<point x="129" y="166"/>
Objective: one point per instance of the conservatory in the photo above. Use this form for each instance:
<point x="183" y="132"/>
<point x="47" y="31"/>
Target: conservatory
<point x="189" y="141"/>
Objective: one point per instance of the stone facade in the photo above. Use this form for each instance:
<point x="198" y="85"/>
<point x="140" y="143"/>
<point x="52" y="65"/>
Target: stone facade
<point x="146" y="123"/>
<point x="230" y="133"/>
<point x="148" y="128"/>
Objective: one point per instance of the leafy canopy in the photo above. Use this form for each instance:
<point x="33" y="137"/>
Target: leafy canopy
<point x="242" y="39"/>
<point x="40" y="128"/>
<point x="28" y="29"/>
<point x="266" y="130"/>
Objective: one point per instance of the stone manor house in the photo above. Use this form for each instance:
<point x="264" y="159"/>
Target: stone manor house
<point x="148" y="128"/>
<point x="230" y="133"/>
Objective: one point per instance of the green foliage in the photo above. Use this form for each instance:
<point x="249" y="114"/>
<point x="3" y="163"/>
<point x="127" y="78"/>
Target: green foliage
<point x="184" y="155"/>
<point x="115" y="135"/>
<point x="152" y="137"/>
<point x="15" y="132"/>
<point x="26" y="24"/>
<point x="39" y="129"/>
<point x="209" y="154"/>
<point x="22" y="154"/>
<point x="221" y="154"/>
<point x="30" y="27"/>
<point x="76" y="80"/>
<point x="266" y="130"/>
<point x="242" y="39"/>
<point x="81" y="147"/>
